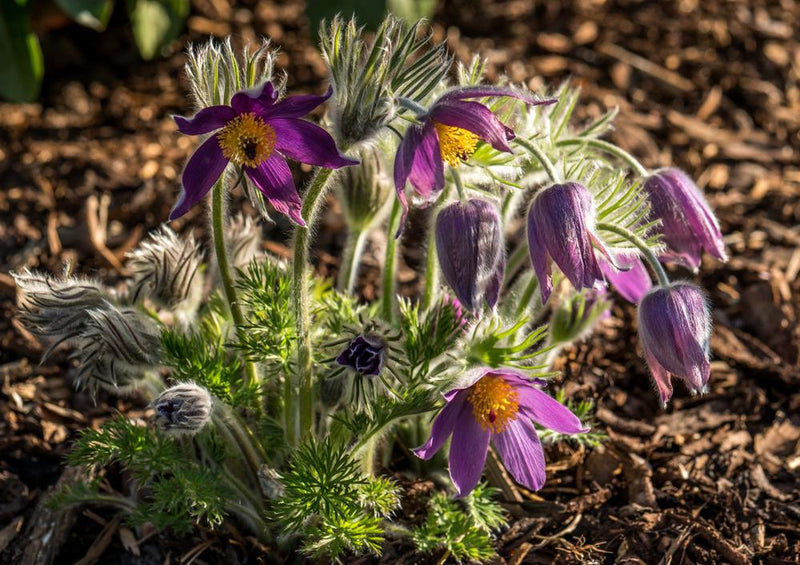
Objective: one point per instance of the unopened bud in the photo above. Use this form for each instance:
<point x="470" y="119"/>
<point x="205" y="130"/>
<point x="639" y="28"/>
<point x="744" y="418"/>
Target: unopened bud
<point x="577" y="314"/>
<point x="271" y="484"/>
<point x="365" y="354"/>
<point x="183" y="409"/>
<point x="365" y="190"/>
<point x="243" y="237"/>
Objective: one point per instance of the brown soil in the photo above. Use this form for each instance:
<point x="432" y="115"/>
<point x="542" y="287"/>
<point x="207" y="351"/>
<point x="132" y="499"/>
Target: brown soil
<point x="712" y="87"/>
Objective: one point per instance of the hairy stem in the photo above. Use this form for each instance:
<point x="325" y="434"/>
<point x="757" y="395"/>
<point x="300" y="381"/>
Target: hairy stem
<point x="350" y="260"/>
<point x="540" y="156"/>
<point x="648" y="253"/>
<point x="311" y="204"/>
<point x="431" y="271"/>
<point x="226" y="273"/>
<point x="609" y="148"/>
<point x="390" y="264"/>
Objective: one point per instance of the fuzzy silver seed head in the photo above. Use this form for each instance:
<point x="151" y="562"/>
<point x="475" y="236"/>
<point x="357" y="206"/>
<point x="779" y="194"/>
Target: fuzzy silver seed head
<point x="56" y="309"/>
<point x="243" y="236"/>
<point x="368" y="75"/>
<point x="271" y="484"/>
<point x="366" y="189"/>
<point x="183" y="409"/>
<point x="116" y="349"/>
<point x="165" y="269"/>
<point x="217" y="71"/>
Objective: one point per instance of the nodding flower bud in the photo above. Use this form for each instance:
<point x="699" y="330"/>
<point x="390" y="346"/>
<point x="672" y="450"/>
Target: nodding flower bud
<point x="165" y="268"/>
<point x="688" y="226"/>
<point x="365" y="354"/>
<point x="560" y="227"/>
<point x="117" y="347"/>
<point x="674" y="328"/>
<point x="576" y="315"/>
<point x="183" y="409"/>
<point x="57" y="309"/>
<point x="365" y="189"/>
<point x="469" y="243"/>
<point x="243" y="237"/>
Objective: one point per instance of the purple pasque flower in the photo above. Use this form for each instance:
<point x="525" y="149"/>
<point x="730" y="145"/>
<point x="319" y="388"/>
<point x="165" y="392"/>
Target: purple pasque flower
<point x="675" y="328"/>
<point x="449" y="132"/>
<point x="561" y="229"/>
<point x="688" y="226"/>
<point x="258" y="133"/>
<point x="365" y="354"/>
<point x="628" y="275"/>
<point x="469" y="244"/>
<point x="497" y="405"/>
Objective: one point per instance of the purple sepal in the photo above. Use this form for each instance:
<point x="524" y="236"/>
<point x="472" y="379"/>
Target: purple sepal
<point x="630" y="279"/>
<point x="674" y="329"/>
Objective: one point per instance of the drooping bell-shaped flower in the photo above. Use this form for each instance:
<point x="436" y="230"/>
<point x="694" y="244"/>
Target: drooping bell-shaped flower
<point x="469" y="244"/>
<point x="560" y="228"/>
<point x="674" y="328"/>
<point x="257" y="132"/>
<point x="449" y="133"/>
<point x="628" y="275"/>
<point x="497" y="405"/>
<point x="688" y="226"/>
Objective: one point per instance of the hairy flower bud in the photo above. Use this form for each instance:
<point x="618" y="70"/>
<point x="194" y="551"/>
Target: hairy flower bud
<point x="117" y="347"/>
<point x="576" y="315"/>
<point x="469" y="243"/>
<point x="364" y="190"/>
<point x="674" y="328"/>
<point x="365" y="354"/>
<point x="560" y="224"/>
<point x="368" y="75"/>
<point x="165" y="268"/>
<point x="688" y="226"/>
<point x="243" y="236"/>
<point x="183" y="409"/>
<point x="57" y="309"/>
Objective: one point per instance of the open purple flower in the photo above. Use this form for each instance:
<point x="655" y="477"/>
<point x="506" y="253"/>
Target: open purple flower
<point x="674" y="328"/>
<point x="257" y="132"/>
<point x="560" y="227"/>
<point x="365" y="354"/>
<point x="629" y="276"/>
<point x="469" y="244"/>
<point x="497" y="405"/>
<point x="688" y="226"/>
<point x="450" y="132"/>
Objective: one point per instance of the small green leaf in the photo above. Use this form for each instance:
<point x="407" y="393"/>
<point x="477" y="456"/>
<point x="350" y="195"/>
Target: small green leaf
<point x="90" y="13"/>
<point x="22" y="67"/>
<point x="156" y="23"/>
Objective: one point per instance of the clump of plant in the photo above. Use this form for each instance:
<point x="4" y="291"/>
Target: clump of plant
<point x="278" y="397"/>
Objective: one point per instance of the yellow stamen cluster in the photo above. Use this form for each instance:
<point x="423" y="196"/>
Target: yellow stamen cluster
<point x="246" y="140"/>
<point x="455" y="144"/>
<point x="495" y="403"/>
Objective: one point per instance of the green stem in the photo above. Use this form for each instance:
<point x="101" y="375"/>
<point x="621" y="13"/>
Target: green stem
<point x="540" y="156"/>
<point x="390" y="264"/>
<point x="226" y="273"/>
<point x="368" y="457"/>
<point x="648" y="253"/>
<point x="350" y="260"/>
<point x="527" y="295"/>
<point x="431" y="271"/>
<point x="312" y="202"/>
<point x="462" y="195"/>
<point x="609" y="148"/>
<point x="515" y="260"/>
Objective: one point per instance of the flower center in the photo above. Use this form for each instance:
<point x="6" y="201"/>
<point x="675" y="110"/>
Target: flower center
<point x="495" y="403"/>
<point x="246" y="140"/>
<point x="455" y="144"/>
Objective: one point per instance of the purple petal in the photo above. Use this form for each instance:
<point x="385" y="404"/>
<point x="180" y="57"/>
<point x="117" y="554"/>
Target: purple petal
<point x="297" y="106"/>
<point x="274" y="179"/>
<point x="474" y="117"/>
<point x="632" y="283"/>
<point x="443" y="426"/>
<point x="496" y="282"/>
<point x="661" y="378"/>
<point x="468" y="450"/>
<point x="307" y="143"/>
<point x="256" y="100"/>
<point x="206" y="120"/>
<point x="467" y="379"/>
<point x="522" y="454"/>
<point x="203" y="169"/>
<point x="540" y="259"/>
<point x="546" y="410"/>
<point x="483" y="91"/>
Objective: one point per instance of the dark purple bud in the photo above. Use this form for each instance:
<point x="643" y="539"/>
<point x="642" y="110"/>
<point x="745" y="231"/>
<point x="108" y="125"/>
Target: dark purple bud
<point x="365" y="354"/>
<point x="469" y="243"/>
<point x="560" y="223"/>
<point x="183" y="409"/>
<point x="688" y="226"/>
<point x="674" y="328"/>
